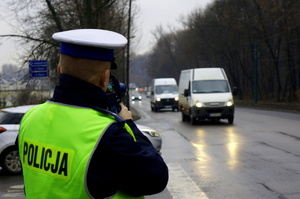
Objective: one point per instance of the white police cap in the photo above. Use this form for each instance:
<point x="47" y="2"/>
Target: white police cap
<point x="93" y="44"/>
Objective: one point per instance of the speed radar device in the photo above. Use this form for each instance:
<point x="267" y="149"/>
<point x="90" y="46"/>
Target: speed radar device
<point x="115" y="92"/>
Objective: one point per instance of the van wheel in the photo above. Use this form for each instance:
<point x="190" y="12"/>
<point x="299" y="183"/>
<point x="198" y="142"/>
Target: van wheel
<point x="183" y="117"/>
<point x="153" y="108"/>
<point x="230" y="120"/>
<point x="193" y="120"/>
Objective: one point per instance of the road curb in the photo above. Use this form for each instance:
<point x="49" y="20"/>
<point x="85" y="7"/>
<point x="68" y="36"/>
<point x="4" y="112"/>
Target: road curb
<point x="286" y="107"/>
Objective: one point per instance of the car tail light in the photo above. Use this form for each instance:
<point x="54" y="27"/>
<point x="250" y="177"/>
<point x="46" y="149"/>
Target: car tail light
<point x="2" y="129"/>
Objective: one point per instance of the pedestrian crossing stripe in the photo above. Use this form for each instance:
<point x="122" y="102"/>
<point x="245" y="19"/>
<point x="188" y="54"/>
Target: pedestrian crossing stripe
<point x="181" y="185"/>
<point x="15" y="191"/>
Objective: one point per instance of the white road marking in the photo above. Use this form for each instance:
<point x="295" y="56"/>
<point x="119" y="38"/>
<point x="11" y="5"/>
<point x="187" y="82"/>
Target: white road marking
<point x="181" y="185"/>
<point x="15" y="191"/>
<point x="13" y="195"/>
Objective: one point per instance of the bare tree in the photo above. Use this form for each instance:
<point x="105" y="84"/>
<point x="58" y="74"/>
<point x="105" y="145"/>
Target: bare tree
<point x="241" y="36"/>
<point x="37" y="20"/>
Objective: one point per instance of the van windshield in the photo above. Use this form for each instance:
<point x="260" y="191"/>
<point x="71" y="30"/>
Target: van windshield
<point x="160" y="89"/>
<point x="210" y="86"/>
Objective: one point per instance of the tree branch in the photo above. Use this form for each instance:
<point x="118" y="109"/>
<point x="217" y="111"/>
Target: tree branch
<point x="30" y="38"/>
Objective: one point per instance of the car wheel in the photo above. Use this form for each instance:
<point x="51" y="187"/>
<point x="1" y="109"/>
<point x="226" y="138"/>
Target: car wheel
<point x="10" y="161"/>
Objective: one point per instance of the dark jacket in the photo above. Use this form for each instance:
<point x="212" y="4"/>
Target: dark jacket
<point x="118" y="163"/>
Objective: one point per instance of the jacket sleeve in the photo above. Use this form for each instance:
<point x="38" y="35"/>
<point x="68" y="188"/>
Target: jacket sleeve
<point x="134" y="167"/>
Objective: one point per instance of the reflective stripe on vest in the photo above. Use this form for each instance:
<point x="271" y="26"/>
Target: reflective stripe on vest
<point x="58" y="170"/>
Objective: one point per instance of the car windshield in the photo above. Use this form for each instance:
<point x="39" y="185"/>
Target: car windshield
<point x="135" y="94"/>
<point x="160" y="89"/>
<point x="210" y="86"/>
<point x="10" y="118"/>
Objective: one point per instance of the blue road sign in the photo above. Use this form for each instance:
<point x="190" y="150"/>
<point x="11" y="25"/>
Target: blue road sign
<point x="38" y="63"/>
<point x="38" y="68"/>
<point x="39" y="74"/>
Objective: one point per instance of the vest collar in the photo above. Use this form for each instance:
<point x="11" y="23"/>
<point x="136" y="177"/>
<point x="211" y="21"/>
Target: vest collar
<point x="74" y="91"/>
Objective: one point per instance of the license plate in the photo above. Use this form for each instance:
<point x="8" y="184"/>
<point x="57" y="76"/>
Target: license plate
<point x="215" y="115"/>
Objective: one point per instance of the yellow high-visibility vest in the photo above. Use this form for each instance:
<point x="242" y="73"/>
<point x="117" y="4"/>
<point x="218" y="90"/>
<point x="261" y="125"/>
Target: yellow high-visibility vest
<point x="56" y="143"/>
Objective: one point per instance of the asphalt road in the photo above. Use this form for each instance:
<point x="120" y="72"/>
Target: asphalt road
<point x="256" y="157"/>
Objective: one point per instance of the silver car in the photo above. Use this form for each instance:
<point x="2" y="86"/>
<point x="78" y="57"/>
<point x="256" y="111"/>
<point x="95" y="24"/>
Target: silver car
<point x="10" y="119"/>
<point x="152" y="135"/>
<point x="136" y="96"/>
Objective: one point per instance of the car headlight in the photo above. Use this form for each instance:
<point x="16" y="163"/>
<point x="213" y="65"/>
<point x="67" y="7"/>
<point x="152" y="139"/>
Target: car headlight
<point x="230" y="102"/>
<point x="140" y="97"/>
<point x="158" y="99"/>
<point x="176" y="98"/>
<point x="132" y="97"/>
<point x="151" y="133"/>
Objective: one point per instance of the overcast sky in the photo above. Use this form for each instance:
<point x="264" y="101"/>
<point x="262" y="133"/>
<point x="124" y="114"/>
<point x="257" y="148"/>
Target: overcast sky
<point x="152" y="13"/>
<point x="166" y="13"/>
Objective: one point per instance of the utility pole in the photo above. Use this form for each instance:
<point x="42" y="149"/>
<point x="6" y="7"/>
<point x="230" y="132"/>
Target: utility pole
<point x="1" y="91"/>
<point x="255" y="84"/>
<point x="128" y="57"/>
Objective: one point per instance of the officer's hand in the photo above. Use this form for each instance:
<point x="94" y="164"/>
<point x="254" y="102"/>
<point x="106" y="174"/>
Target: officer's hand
<point x="125" y="113"/>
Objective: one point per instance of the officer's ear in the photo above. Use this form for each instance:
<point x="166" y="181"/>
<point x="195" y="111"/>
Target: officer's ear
<point x="58" y="69"/>
<point x="104" y="79"/>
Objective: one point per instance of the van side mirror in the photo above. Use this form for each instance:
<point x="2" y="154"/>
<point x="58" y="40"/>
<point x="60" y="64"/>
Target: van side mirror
<point x="186" y="92"/>
<point x="234" y="90"/>
<point x="152" y="92"/>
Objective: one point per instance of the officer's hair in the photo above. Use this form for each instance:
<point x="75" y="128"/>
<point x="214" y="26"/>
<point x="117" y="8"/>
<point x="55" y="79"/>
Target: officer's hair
<point x="85" y="69"/>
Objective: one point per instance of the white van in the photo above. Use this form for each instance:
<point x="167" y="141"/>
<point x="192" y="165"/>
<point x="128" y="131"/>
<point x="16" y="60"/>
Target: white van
<point x="204" y="93"/>
<point x="164" y="94"/>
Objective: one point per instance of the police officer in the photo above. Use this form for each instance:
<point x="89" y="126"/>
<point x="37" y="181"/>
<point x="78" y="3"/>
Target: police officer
<point x="71" y="146"/>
